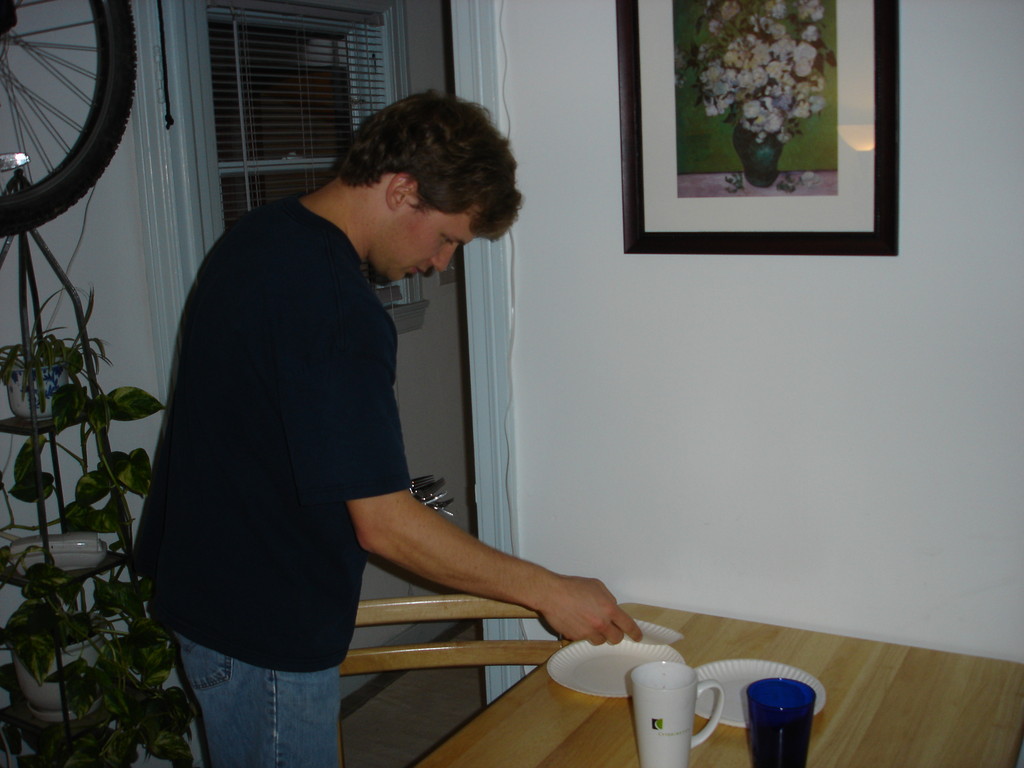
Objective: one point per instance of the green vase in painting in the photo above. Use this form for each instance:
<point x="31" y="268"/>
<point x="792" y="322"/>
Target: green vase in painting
<point x="760" y="159"/>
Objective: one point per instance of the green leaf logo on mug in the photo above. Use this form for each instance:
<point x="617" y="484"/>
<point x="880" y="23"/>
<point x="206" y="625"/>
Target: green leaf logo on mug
<point x="657" y="724"/>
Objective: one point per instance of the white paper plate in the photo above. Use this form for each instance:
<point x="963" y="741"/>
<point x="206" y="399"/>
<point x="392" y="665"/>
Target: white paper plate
<point x="655" y="633"/>
<point x="736" y="674"/>
<point x="602" y="670"/>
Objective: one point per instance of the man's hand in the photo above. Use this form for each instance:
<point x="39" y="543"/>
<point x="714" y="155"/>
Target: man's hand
<point x="583" y="609"/>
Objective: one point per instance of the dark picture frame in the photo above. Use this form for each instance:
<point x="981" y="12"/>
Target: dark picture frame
<point x="878" y="238"/>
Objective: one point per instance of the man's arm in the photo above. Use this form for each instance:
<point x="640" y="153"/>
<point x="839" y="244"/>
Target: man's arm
<point x="399" y="528"/>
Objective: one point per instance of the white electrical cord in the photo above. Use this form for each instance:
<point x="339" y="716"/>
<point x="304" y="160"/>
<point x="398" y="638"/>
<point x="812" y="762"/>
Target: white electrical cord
<point x="509" y="495"/>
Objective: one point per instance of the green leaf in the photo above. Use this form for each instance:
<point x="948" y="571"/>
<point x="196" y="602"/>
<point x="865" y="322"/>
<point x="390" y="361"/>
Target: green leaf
<point x="120" y="748"/>
<point x="170" y="746"/>
<point x="85" y="518"/>
<point x="154" y="664"/>
<point x="53" y="748"/>
<point x="45" y="580"/>
<point x="26" y="459"/>
<point x="92" y="486"/>
<point x="81" y="690"/>
<point x="35" y="652"/>
<point x="118" y="597"/>
<point x="146" y="631"/>
<point x="131" y="403"/>
<point x="146" y="590"/>
<point x="135" y="472"/>
<point x="86" y="752"/>
<point x="117" y="703"/>
<point x="24" y="488"/>
<point x="68" y="404"/>
<point x="97" y="413"/>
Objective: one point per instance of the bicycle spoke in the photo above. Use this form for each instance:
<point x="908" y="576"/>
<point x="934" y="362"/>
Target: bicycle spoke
<point x="42" y="125"/>
<point x="66" y="74"/>
<point x="27" y="134"/>
<point x="57" y="65"/>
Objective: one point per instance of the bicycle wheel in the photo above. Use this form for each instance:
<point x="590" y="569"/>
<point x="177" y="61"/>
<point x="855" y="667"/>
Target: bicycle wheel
<point x="67" y="78"/>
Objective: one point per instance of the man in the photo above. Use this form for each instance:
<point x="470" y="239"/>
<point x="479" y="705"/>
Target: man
<point x="282" y="464"/>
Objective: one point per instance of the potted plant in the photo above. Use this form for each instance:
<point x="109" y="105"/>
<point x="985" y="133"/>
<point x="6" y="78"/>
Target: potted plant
<point x="49" y="361"/>
<point x="81" y="644"/>
<point x="102" y="609"/>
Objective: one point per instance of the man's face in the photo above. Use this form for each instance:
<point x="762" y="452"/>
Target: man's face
<point x="417" y="240"/>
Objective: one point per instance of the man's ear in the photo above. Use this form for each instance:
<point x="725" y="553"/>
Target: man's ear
<point x="402" y="189"/>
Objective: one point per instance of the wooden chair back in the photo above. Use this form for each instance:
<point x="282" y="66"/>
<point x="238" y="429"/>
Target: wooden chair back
<point x="461" y="653"/>
<point x="444" y="653"/>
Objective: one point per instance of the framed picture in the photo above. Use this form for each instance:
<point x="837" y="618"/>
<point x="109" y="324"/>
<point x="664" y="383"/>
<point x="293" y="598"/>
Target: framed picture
<point x="759" y="126"/>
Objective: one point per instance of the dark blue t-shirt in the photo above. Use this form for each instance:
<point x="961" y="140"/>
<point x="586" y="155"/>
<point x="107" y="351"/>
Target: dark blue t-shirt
<point x="283" y="408"/>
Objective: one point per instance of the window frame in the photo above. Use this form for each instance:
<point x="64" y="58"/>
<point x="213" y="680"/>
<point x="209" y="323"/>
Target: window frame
<point x="179" y="183"/>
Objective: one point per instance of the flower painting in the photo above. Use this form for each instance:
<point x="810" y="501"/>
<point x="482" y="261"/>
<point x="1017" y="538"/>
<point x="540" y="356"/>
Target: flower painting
<point x="756" y="93"/>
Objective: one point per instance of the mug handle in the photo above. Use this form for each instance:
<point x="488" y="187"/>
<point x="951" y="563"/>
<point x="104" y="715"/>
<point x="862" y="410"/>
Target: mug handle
<point x="716" y="711"/>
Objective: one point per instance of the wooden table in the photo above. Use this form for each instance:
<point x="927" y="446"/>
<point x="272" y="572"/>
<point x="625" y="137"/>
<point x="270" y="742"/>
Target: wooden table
<point x="886" y="705"/>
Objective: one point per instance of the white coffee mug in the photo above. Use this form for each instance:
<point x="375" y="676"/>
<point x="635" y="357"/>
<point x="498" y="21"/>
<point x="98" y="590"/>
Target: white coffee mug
<point x="664" y="696"/>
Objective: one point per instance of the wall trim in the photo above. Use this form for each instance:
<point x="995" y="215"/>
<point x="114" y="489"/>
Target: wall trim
<point x="475" y="27"/>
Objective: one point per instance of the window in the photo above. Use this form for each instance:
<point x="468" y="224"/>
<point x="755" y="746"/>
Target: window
<point x="290" y="86"/>
<point x="264" y="95"/>
<point x="288" y="93"/>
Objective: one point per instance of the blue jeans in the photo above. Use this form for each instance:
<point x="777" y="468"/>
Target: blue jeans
<point x="261" y="718"/>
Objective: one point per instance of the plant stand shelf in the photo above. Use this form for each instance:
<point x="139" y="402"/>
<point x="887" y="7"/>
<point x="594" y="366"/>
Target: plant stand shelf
<point x="110" y="560"/>
<point x="16" y="425"/>
<point x="21" y="716"/>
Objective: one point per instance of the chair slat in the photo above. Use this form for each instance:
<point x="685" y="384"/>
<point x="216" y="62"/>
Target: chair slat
<point x="472" y="653"/>
<point x="402" y="610"/>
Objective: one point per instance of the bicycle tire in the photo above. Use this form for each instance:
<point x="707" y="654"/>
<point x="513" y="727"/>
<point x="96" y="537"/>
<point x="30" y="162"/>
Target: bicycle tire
<point x="88" y="157"/>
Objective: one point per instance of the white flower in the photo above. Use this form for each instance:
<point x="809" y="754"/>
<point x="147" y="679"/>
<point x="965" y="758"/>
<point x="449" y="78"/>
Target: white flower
<point x="773" y="122"/>
<point x="810" y="9"/>
<point x="783" y="48"/>
<point x="729" y="9"/>
<point x="775" y="69"/>
<point x="752" y="69"/>
<point x="803" y="59"/>
<point x="752" y="79"/>
<point x="805" y="52"/>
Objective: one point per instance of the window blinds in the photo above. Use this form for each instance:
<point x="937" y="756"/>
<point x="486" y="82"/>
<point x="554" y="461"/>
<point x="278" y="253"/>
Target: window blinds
<point x="290" y="82"/>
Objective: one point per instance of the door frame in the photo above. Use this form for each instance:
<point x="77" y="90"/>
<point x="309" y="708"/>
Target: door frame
<point x="488" y="281"/>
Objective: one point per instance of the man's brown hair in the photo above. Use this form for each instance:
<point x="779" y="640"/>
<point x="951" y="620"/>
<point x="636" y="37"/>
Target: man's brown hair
<point x="459" y="160"/>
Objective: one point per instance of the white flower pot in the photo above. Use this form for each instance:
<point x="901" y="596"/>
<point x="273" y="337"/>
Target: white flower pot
<point x="44" y="700"/>
<point x="21" y="395"/>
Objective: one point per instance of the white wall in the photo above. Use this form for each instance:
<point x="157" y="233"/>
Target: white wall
<point x="829" y="442"/>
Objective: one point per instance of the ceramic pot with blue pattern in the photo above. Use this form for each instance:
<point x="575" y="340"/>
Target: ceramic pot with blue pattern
<point x="21" y="393"/>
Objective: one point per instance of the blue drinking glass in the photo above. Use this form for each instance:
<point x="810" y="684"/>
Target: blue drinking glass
<point x="781" y="712"/>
